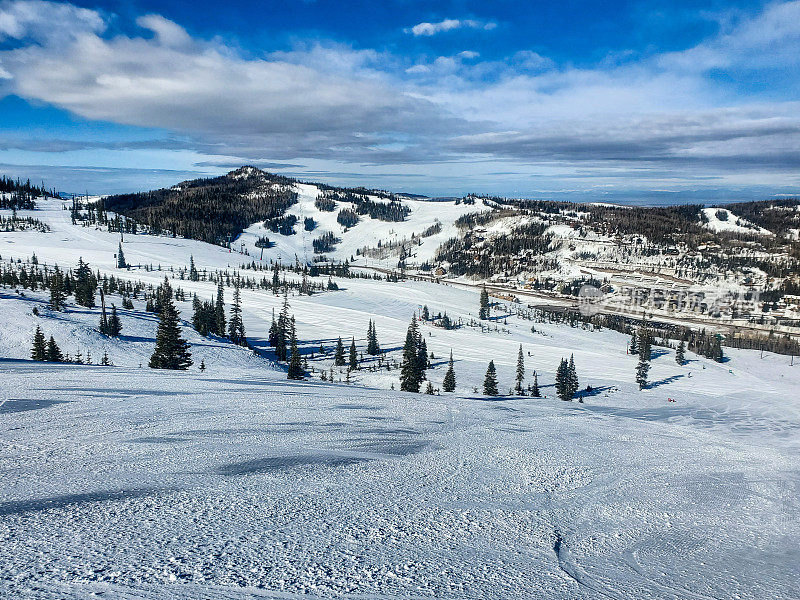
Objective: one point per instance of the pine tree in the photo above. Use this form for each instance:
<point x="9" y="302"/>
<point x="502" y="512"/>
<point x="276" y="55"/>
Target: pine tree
<point x="680" y="353"/>
<point x="409" y="369"/>
<point x="282" y="333"/>
<point x="295" y="366"/>
<point x="353" y="358"/>
<point x="202" y="365"/>
<point x="53" y="353"/>
<point x="38" y="352"/>
<point x="373" y="349"/>
<point x="235" y="324"/>
<point x="193" y="274"/>
<point x="105" y="360"/>
<point x="338" y="358"/>
<point x="57" y="290"/>
<point x="535" y="392"/>
<point x="520" y="370"/>
<point x="422" y="358"/>
<point x="121" y="264"/>
<point x="634" y="348"/>
<point x="449" y="383"/>
<point x="171" y="351"/>
<point x="429" y="389"/>
<point x="114" y="324"/>
<point x="426" y="315"/>
<point x="219" y="311"/>
<point x="572" y="378"/>
<point x="85" y="284"/>
<point x="276" y="280"/>
<point x="563" y="381"/>
<point x="484" y="304"/>
<point x="103" y="316"/>
<point x="643" y="367"/>
<point x="490" y="381"/>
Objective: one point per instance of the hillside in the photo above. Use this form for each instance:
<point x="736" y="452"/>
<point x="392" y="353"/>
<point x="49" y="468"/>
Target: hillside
<point x="234" y="482"/>
<point x="729" y="268"/>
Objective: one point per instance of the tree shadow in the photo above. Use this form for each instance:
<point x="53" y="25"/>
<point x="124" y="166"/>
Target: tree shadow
<point x="665" y="381"/>
<point x="595" y="391"/>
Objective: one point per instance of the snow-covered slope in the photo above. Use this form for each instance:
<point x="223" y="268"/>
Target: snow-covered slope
<point x="124" y="482"/>
<point x="367" y="233"/>
<point x="730" y="222"/>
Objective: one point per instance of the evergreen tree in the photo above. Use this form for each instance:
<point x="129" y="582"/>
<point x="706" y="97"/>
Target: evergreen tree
<point x="563" y="387"/>
<point x="426" y="315"/>
<point x="484" y="304"/>
<point x="338" y="358"/>
<point x="38" y="352"/>
<point x="422" y="358"/>
<point x="572" y="377"/>
<point x="282" y="333"/>
<point x="276" y="280"/>
<point x="272" y="335"/>
<point x="353" y="358"/>
<point x="105" y="360"/>
<point x="643" y="367"/>
<point x="680" y="353"/>
<point x="202" y="365"/>
<point x="634" y="347"/>
<point x="535" y="392"/>
<point x="429" y="389"/>
<point x="114" y="324"/>
<point x="490" y="381"/>
<point x="85" y="284"/>
<point x="410" y="379"/>
<point x="295" y="365"/>
<point x="103" y="317"/>
<point x="121" y="264"/>
<point x="449" y="383"/>
<point x="171" y="351"/>
<point x="53" y="353"/>
<point x="219" y="311"/>
<point x="235" y="324"/>
<point x="520" y="370"/>
<point x="193" y="274"/>
<point x="373" y="349"/>
<point x="57" y="297"/>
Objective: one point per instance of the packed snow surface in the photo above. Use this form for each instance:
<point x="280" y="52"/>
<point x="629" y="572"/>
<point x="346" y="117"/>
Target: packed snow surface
<point x="123" y="482"/>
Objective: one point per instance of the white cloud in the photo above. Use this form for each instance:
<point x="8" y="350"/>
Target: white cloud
<point x="428" y="29"/>
<point x="331" y="102"/>
<point x="39" y="20"/>
<point x="167" y="33"/>
<point x="327" y="95"/>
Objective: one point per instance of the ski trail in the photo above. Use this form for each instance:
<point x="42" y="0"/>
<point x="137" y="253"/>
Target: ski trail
<point x="629" y="557"/>
<point x="567" y="564"/>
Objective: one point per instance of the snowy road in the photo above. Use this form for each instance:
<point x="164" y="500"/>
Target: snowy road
<point x="135" y="484"/>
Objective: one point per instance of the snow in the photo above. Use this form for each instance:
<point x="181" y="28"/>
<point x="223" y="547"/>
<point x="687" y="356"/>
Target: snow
<point x="732" y="223"/>
<point x="124" y="482"/>
<point x="366" y="233"/>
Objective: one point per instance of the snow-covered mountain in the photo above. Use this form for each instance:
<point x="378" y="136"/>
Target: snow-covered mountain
<point x="123" y="481"/>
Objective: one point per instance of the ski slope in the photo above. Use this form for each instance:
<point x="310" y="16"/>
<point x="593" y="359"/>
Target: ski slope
<point x="367" y="233"/>
<point x="123" y="482"/>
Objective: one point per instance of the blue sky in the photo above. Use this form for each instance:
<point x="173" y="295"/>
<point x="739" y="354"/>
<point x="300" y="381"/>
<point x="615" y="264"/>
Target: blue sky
<point x="626" y="101"/>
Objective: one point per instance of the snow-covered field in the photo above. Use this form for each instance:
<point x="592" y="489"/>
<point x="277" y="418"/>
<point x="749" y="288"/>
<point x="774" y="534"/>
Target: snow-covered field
<point x="124" y="482"/>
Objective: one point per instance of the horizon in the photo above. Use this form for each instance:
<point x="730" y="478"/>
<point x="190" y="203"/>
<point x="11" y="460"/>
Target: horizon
<point x="633" y="103"/>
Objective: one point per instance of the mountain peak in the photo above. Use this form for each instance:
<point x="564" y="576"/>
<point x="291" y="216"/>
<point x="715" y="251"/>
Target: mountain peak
<point x="245" y="172"/>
